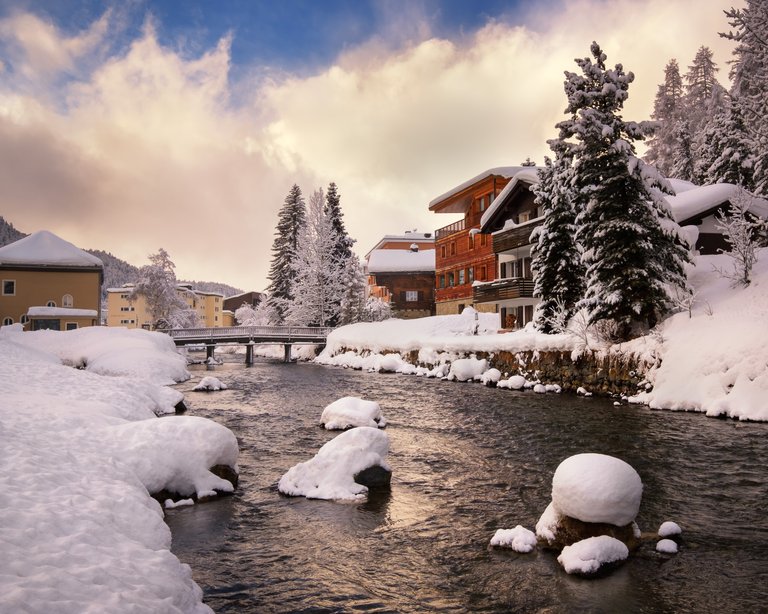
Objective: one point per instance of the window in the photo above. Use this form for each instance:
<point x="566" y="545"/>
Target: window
<point x="7" y="321"/>
<point x="127" y="321"/>
<point x="67" y="301"/>
<point x="471" y="240"/>
<point x="483" y="273"/>
<point x="461" y="277"/>
<point x="453" y="248"/>
<point x="9" y="287"/>
<point x="483" y="240"/>
<point x="71" y="326"/>
<point x="442" y="251"/>
<point x="131" y="308"/>
<point x="470" y="275"/>
<point x="442" y="281"/>
<point x="24" y="319"/>
<point x="124" y="296"/>
<point x="450" y="280"/>
<point x="51" y="304"/>
<point x="411" y="296"/>
<point x="481" y="204"/>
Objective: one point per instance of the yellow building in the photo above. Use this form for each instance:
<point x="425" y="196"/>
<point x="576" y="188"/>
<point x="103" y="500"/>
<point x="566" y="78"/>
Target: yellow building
<point x="121" y="311"/>
<point x="46" y="282"/>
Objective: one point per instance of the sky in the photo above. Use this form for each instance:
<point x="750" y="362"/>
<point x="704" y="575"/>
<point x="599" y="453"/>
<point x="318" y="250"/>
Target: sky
<point x="182" y="124"/>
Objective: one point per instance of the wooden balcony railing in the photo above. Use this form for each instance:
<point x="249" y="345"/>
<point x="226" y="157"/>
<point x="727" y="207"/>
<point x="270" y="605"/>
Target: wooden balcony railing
<point x="451" y="229"/>
<point x="503" y="289"/>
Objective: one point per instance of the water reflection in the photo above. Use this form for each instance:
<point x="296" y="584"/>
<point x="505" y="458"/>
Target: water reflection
<point x="466" y="461"/>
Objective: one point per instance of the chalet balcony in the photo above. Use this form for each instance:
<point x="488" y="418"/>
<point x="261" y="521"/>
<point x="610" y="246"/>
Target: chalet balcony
<point x="446" y="231"/>
<point x="518" y="236"/>
<point x="502" y="290"/>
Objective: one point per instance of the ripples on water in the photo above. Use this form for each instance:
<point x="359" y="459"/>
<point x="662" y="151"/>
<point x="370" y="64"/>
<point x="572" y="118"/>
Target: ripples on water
<point x="467" y="460"/>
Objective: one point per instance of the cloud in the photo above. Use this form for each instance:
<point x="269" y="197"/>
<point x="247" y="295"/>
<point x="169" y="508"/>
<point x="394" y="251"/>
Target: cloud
<point x="149" y="148"/>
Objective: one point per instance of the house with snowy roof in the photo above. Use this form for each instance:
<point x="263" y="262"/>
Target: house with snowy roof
<point x="464" y="253"/>
<point x="513" y="215"/>
<point x="49" y="283"/>
<point x="401" y="271"/>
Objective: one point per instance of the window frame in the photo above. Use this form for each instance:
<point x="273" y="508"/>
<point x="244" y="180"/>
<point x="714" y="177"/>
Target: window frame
<point x="9" y="281"/>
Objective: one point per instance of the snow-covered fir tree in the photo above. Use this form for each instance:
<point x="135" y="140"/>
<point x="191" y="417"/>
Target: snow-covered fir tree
<point x="317" y="284"/>
<point x="261" y="315"/>
<point x="749" y="75"/>
<point x="343" y="253"/>
<point x="668" y="108"/>
<point x="156" y="283"/>
<point x="282" y="271"/>
<point x="728" y="155"/>
<point x="352" y="308"/>
<point x="683" y="161"/>
<point x="701" y="88"/>
<point x="556" y="259"/>
<point x="377" y="310"/>
<point x="624" y="226"/>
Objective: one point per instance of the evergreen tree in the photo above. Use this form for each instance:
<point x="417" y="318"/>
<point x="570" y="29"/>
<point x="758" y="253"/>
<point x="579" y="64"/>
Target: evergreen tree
<point x="729" y="156"/>
<point x="556" y="260"/>
<point x="353" y="292"/>
<point x="623" y="223"/>
<point x="749" y="74"/>
<point x="156" y="283"/>
<point x="683" y="160"/>
<point x="668" y="107"/>
<point x="317" y="284"/>
<point x="291" y="220"/>
<point x="701" y="87"/>
<point x="344" y="243"/>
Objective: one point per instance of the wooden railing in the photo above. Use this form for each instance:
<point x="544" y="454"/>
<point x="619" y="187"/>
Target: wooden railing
<point x="503" y="289"/>
<point x="450" y="229"/>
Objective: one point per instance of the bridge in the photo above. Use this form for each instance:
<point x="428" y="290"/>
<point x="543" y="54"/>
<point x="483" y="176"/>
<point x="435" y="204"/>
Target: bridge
<point x="250" y="336"/>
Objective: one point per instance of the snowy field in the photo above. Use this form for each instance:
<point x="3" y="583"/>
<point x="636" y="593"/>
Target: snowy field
<point x="713" y="360"/>
<point x="81" y="450"/>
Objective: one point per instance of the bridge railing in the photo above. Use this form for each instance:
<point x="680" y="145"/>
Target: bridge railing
<point x="278" y="332"/>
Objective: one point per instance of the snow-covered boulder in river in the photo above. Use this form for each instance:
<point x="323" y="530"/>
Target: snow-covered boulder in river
<point x="349" y="412"/>
<point x="588" y="556"/>
<point x="209" y="384"/>
<point x="344" y="468"/>
<point x="592" y="494"/>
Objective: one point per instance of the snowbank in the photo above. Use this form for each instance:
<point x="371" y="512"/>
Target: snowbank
<point x="210" y="383"/>
<point x="330" y="474"/>
<point x="350" y="412"/>
<point x="81" y="451"/>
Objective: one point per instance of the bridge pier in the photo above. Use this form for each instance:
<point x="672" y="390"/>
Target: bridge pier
<point x="287" y="352"/>
<point x="209" y="349"/>
<point x="249" y="354"/>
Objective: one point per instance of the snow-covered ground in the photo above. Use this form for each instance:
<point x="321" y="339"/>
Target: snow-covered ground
<point x="713" y="360"/>
<point x="81" y="449"/>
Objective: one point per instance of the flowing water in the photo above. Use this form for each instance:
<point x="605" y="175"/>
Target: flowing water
<point x="467" y="460"/>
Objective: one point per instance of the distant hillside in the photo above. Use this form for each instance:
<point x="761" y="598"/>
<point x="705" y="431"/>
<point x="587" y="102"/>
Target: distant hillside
<point x="116" y="271"/>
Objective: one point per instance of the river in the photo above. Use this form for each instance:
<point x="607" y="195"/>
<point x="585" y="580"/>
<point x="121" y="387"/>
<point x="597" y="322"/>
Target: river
<point x="467" y="460"/>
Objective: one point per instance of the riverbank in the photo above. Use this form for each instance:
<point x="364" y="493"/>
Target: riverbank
<point x="82" y="449"/>
<point x="711" y="357"/>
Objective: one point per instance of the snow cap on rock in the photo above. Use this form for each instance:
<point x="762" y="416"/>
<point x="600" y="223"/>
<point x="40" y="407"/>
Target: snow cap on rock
<point x="597" y="488"/>
<point x="589" y="555"/>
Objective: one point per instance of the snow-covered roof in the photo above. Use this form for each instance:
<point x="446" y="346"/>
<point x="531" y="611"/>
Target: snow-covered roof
<point x="527" y="174"/>
<point x="502" y="171"/>
<point x="693" y="202"/>
<point x="43" y="248"/>
<point x="60" y="312"/>
<point x="425" y="238"/>
<point x="401" y="261"/>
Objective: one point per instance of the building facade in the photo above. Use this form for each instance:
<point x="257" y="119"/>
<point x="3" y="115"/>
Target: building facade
<point x="122" y="311"/>
<point x="464" y="254"/>
<point x="48" y="283"/>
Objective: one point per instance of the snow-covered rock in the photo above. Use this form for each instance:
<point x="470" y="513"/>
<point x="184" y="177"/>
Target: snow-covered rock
<point x="589" y="555"/>
<point x="666" y="546"/>
<point x="669" y="529"/>
<point x="490" y="377"/>
<point x="349" y="412"/>
<point x="467" y="369"/>
<point x="209" y="384"/>
<point x="518" y="539"/>
<point x="516" y="382"/>
<point x="331" y="473"/>
<point x="597" y="488"/>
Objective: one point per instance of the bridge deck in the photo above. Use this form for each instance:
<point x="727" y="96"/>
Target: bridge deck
<point x="249" y="334"/>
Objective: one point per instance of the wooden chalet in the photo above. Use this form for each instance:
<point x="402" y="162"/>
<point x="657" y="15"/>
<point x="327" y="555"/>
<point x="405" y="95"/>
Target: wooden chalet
<point x="463" y="254"/>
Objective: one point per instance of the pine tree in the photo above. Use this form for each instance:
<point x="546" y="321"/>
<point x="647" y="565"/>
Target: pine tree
<point x="729" y="158"/>
<point x="556" y="260"/>
<point x="317" y="285"/>
<point x="623" y="223"/>
<point x="344" y="243"/>
<point x="749" y="74"/>
<point x="701" y="87"/>
<point x="683" y="161"/>
<point x="156" y="283"/>
<point x="668" y="108"/>
<point x="352" y="307"/>
<point x="291" y="219"/>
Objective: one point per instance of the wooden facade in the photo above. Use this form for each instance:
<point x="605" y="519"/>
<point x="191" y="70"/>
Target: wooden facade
<point x="410" y="294"/>
<point x="463" y="255"/>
